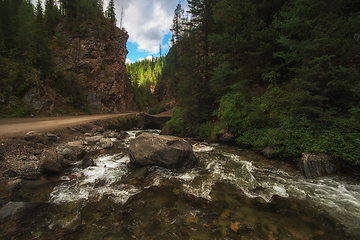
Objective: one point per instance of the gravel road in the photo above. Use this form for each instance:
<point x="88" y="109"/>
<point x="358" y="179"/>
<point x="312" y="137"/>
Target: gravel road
<point x="20" y="126"/>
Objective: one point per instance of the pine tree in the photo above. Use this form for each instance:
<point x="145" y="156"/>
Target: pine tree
<point x="51" y="16"/>
<point x="39" y="17"/>
<point x="70" y="8"/>
<point x="8" y="18"/>
<point x="25" y="35"/>
<point x="177" y="28"/>
<point x="194" y="89"/>
<point x="110" y="12"/>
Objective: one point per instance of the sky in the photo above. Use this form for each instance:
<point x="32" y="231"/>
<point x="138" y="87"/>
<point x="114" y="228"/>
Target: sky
<point x="148" y="24"/>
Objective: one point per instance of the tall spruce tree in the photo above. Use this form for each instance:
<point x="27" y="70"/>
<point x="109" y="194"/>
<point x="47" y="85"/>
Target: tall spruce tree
<point x="194" y="89"/>
<point x="178" y="23"/>
<point x="110" y="12"/>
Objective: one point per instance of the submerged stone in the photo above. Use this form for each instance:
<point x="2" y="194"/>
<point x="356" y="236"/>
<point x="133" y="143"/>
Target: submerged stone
<point x="159" y="150"/>
<point x="16" y="209"/>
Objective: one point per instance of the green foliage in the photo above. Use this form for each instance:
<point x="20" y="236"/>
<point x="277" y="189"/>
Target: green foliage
<point x="279" y="73"/>
<point x="27" y="35"/>
<point x="156" y="110"/>
<point x="143" y="76"/>
<point x="68" y="85"/>
<point x="205" y="131"/>
<point x="176" y="122"/>
<point x="110" y="12"/>
<point x="178" y="24"/>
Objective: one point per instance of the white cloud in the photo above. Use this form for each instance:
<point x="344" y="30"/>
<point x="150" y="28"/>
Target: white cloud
<point x="148" y="58"/>
<point x="147" y="21"/>
<point x="128" y="61"/>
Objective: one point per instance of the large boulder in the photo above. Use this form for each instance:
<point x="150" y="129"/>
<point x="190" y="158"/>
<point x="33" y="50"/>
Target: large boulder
<point x="159" y="150"/>
<point x="316" y="165"/>
<point x="50" y="162"/>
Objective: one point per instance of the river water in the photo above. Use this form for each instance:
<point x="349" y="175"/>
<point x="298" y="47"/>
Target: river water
<point x="233" y="194"/>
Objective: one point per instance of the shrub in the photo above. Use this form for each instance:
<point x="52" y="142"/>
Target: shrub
<point x="205" y="131"/>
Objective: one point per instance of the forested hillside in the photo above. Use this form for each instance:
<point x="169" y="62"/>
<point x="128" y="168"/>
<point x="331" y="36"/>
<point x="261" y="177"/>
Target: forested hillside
<point x="280" y="73"/>
<point x="143" y="76"/>
<point x="52" y="58"/>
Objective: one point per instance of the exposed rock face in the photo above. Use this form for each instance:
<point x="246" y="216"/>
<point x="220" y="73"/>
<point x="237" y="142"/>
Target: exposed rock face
<point x="316" y="165"/>
<point x="165" y="151"/>
<point x="98" y="56"/>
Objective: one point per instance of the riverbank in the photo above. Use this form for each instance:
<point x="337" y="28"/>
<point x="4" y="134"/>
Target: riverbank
<point x="20" y="155"/>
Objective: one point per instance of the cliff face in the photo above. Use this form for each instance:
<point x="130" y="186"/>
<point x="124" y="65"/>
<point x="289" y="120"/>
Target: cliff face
<point x="99" y="58"/>
<point x="90" y="63"/>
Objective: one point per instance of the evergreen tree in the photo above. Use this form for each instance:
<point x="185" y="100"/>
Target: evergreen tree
<point x="51" y="16"/>
<point x="194" y="89"/>
<point x="177" y="28"/>
<point x="25" y="35"/>
<point x="110" y="12"/>
<point x="70" y="8"/>
<point x="9" y="23"/>
<point x="100" y="4"/>
<point x="39" y="17"/>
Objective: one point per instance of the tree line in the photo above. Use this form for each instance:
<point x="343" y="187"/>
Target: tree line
<point x="27" y="35"/>
<point x="280" y="73"/>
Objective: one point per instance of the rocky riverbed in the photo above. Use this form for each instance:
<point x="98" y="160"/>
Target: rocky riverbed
<point x="39" y="155"/>
<point x="79" y="183"/>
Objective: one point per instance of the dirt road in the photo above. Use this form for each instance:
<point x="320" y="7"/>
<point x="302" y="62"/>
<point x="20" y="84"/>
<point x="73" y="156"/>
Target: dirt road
<point x="20" y="126"/>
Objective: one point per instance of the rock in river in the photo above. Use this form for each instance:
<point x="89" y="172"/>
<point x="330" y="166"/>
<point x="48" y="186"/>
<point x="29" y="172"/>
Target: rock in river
<point x="159" y="150"/>
<point x="316" y="165"/>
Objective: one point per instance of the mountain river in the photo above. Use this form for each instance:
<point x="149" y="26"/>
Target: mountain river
<point x="233" y="194"/>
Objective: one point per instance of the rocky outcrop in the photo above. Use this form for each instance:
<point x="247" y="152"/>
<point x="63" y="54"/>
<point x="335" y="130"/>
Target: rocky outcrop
<point x="316" y="165"/>
<point x="159" y="150"/>
<point x="96" y="56"/>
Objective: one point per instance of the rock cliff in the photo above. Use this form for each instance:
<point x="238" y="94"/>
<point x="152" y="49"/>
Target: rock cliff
<point x="95" y="56"/>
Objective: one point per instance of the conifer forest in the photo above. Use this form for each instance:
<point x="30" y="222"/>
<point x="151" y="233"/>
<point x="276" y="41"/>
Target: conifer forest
<point x="280" y="73"/>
